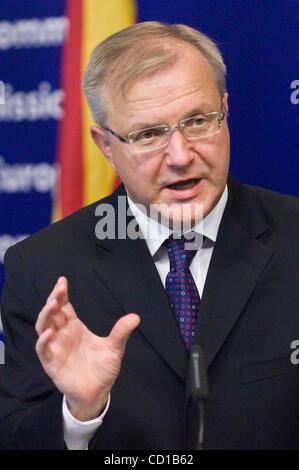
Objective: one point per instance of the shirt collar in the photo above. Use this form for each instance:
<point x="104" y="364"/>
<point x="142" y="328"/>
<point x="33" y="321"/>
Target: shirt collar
<point x="155" y="233"/>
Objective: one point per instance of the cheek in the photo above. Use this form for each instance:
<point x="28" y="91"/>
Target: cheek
<point x="122" y="161"/>
<point x="217" y="158"/>
<point x="145" y="171"/>
<point x="214" y="157"/>
<point x="140" y="178"/>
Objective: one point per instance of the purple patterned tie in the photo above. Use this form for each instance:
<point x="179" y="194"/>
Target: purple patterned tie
<point x="181" y="289"/>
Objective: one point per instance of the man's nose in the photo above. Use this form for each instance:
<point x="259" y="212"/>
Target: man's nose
<point x="178" y="152"/>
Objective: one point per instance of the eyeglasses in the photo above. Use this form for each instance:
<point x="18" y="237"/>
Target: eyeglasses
<point x="193" y="128"/>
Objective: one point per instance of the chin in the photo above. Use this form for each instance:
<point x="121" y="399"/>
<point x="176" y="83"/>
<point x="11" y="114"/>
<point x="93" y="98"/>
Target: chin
<point x="181" y="217"/>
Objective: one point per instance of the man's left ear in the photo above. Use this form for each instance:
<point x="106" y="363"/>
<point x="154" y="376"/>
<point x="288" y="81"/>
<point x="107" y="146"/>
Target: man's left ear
<point x="102" y="141"/>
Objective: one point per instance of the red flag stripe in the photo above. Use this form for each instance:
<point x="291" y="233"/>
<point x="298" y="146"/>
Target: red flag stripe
<point x="70" y="133"/>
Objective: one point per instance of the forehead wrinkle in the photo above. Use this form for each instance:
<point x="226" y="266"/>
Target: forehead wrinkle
<point x="147" y="97"/>
<point x="172" y="97"/>
<point x="157" y="91"/>
<point x="178" y="94"/>
<point x="157" y="114"/>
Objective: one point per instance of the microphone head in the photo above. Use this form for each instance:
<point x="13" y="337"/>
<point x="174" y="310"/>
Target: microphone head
<point x="199" y="378"/>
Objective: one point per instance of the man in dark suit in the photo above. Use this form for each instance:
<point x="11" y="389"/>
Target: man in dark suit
<point x="81" y="369"/>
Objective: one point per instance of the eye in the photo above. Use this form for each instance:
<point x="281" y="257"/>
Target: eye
<point x="197" y="121"/>
<point x="147" y="135"/>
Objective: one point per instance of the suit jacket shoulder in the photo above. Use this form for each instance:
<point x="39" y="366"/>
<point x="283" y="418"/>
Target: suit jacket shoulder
<point x="252" y="204"/>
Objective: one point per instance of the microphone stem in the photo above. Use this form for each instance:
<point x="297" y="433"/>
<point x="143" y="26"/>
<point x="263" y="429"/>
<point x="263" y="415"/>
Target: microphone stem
<point x="201" y="425"/>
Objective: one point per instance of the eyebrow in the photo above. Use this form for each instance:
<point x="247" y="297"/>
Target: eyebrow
<point x="204" y="108"/>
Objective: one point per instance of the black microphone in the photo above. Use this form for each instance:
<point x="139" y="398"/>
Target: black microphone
<point x="199" y="387"/>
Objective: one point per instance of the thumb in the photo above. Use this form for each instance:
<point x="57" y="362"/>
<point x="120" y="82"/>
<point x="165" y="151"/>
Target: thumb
<point x="122" y="329"/>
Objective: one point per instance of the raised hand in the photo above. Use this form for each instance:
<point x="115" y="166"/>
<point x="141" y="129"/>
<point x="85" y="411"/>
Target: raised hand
<point x="83" y="366"/>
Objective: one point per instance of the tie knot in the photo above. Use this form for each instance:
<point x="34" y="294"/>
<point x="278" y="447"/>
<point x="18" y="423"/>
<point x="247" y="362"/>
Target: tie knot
<point x="179" y="256"/>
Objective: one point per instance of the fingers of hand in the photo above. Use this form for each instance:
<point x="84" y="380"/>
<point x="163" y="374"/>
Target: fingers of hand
<point x="57" y="311"/>
<point x="122" y="329"/>
<point x="43" y="348"/>
<point x="54" y="346"/>
<point x="61" y="288"/>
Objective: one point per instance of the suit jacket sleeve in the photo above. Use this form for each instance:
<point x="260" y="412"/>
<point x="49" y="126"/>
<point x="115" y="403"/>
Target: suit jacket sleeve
<point x="30" y="405"/>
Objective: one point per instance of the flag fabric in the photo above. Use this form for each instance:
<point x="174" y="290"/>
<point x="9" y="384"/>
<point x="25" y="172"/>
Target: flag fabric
<point x="84" y="173"/>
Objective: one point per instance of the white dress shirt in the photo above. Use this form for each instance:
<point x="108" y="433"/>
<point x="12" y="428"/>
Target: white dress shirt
<point x="77" y="434"/>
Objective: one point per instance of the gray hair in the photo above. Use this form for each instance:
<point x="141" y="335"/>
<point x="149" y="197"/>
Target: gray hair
<point x="138" y="51"/>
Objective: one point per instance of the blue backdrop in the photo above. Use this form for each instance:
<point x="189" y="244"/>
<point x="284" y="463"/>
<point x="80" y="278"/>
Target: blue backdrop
<point x="259" y="44"/>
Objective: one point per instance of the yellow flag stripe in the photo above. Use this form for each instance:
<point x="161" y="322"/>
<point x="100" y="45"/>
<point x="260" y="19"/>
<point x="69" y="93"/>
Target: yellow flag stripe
<point x="100" y="19"/>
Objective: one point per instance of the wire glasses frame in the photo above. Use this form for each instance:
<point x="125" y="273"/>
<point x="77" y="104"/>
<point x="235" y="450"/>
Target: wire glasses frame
<point x="154" y="138"/>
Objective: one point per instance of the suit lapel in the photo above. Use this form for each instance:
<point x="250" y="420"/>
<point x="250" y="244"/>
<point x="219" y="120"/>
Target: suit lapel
<point x="238" y="261"/>
<point x="128" y="272"/>
<point x="237" y="264"/>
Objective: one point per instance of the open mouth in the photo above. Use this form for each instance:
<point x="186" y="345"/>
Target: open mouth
<point x="183" y="185"/>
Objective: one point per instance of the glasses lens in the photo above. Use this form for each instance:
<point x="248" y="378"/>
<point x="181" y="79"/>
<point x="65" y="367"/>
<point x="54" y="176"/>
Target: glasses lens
<point x="150" y="138"/>
<point x="200" y="126"/>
